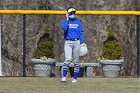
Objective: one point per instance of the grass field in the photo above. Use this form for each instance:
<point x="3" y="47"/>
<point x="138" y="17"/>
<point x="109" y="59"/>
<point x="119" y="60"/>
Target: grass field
<point x="54" y="85"/>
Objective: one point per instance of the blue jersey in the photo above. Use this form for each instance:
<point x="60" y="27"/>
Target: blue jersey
<point x="73" y="29"/>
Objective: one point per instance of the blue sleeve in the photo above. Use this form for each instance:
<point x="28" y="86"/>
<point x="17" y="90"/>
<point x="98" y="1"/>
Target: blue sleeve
<point x="81" y="32"/>
<point x="65" y="25"/>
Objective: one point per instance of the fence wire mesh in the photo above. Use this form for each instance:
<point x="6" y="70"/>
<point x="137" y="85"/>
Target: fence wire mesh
<point x="95" y="31"/>
<point x="44" y="32"/>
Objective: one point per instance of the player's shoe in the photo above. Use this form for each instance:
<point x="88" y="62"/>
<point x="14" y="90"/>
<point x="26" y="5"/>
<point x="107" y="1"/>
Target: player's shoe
<point x="63" y="79"/>
<point x="74" y="81"/>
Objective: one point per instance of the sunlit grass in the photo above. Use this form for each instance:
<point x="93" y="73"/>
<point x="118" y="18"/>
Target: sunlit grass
<point x="54" y="85"/>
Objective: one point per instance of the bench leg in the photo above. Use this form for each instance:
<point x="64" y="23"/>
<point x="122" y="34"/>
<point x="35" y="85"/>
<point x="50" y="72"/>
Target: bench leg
<point x="89" y="72"/>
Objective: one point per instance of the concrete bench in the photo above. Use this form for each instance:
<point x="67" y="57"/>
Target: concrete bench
<point x="44" y="67"/>
<point x="89" y="68"/>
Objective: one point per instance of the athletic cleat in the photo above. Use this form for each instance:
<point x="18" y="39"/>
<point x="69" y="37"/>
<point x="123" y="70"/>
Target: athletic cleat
<point x="63" y="79"/>
<point x="74" y="81"/>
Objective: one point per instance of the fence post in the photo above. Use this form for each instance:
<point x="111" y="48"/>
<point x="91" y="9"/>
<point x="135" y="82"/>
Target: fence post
<point x="137" y="7"/>
<point x="1" y="23"/>
<point x="138" y="42"/>
<point x="24" y="45"/>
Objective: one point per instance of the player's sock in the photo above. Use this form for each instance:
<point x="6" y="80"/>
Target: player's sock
<point x="76" y="71"/>
<point x="65" y="70"/>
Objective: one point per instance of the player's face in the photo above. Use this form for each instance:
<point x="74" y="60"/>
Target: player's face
<point x="72" y="13"/>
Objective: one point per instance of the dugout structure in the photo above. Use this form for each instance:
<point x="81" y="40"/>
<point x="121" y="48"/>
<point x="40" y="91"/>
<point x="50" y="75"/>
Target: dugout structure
<point x="79" y="12"/>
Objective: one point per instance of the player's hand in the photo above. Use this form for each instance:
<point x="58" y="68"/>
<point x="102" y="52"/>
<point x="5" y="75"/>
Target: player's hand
<point x="67" y="16"/>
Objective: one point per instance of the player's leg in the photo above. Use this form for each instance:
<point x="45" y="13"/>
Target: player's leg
<point x="68" y="58"/>
<point x="76" y="51"/>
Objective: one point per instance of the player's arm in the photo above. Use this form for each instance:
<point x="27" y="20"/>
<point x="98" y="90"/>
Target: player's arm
<point x="65" y="23"/>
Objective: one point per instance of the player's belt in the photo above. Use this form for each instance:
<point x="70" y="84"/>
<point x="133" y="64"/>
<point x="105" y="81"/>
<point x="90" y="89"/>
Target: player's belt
<point x="73" y="39"/>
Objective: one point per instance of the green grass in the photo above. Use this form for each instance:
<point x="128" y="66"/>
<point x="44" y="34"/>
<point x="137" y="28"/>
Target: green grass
<point x="54" y="85"/>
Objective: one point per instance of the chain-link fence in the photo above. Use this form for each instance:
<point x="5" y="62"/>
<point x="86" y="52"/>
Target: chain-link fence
<point x="28" y="39"/>
<point x="95" y="31"/>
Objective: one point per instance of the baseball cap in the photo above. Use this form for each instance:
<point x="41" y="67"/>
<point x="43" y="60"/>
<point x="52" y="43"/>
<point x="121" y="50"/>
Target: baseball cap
<point x="71" y="9"/>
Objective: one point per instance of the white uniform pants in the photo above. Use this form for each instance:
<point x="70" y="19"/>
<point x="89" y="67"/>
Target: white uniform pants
<point x="71" y="51"/>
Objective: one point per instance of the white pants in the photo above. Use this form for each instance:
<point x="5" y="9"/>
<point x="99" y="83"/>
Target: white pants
<point x="71" y="51"/>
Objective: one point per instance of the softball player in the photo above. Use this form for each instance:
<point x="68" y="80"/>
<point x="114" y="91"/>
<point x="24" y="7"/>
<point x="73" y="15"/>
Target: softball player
<point x="74" y="38"/>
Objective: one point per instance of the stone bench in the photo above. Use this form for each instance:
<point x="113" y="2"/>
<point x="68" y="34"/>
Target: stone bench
<point x="88" y="71"/>
<point x="44" y="67"/>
